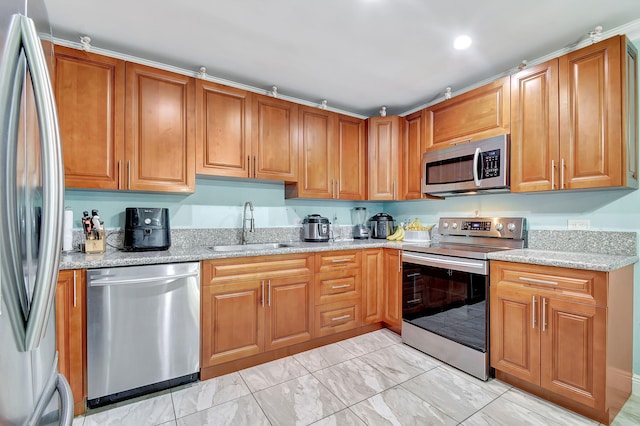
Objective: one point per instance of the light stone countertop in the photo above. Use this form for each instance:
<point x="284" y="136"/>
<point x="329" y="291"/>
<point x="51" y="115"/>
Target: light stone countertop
<point x="564" y="259"/>
<point x="114" y="258"/>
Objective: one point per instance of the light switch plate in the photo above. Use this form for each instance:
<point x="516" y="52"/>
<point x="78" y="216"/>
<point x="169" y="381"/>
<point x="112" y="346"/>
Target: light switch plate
<point x="578" y="224"/>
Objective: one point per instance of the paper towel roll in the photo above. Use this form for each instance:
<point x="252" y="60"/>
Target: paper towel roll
<point x="67" y="231"/>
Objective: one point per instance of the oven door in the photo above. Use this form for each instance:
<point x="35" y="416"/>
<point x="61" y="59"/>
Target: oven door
<point x="448" y="297"/>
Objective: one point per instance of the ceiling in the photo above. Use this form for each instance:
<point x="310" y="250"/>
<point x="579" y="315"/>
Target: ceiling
<point x="356" y="54"/>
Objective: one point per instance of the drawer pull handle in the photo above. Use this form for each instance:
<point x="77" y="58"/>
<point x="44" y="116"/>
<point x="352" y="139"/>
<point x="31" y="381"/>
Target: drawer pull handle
<point x="340" y="260"/>
<point x="340" y="286"/>
<point x="341" y="317"/>
<point x="414" y="301"/>
<point x="537" y="281"/>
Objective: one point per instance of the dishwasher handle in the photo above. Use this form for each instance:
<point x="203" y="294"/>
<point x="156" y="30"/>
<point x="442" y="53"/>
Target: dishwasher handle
<point x="143" y="280"/>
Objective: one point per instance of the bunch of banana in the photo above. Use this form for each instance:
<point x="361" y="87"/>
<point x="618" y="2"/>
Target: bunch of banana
<point x="416" y="225"/>
<point x="398" y="235"/>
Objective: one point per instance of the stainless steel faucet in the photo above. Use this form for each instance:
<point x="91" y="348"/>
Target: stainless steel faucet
<point x="243" y="238"/>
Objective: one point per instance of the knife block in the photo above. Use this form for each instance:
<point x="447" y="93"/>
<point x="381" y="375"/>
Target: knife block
<point x="95" y="242"/>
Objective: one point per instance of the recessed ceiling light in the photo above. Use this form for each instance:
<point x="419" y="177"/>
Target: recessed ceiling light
<point x="462" y="42"/>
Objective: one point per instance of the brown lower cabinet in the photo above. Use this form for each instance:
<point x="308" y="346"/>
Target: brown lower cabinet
<point x="564" y="334"/>
<point x="71" y="332"/>
<point x="255" y="304"/>
<point x="393" y="289"/>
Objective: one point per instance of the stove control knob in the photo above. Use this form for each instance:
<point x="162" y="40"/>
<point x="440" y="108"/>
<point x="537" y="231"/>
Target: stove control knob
<point x="445" y="225"/>
<point x="499" y="227"/>
<point x="511" y="227"/>
<point x="454" y="225"/>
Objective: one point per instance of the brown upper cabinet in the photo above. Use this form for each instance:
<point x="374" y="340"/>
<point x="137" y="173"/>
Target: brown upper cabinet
<point x="89" y="91"/>
<point x="574" y="120"/>
<point x="331" y="158"/>
<point x="385" y="156"/>
<point x="223" y="130"/>
<point x="274" y="135"/>
<point x="414" y="148"/>
<point x="478" y="114"/>
<point x="124" y="125"/>
<point x="159" y="129"/>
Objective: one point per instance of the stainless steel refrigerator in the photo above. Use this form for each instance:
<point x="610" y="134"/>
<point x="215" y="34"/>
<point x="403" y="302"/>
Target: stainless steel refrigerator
<point x="31" y="208"/>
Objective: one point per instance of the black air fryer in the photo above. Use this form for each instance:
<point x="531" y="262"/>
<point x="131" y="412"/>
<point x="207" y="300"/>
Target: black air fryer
<point x="146" y="229"/>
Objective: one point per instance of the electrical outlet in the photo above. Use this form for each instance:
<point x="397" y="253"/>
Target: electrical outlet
<point x="578" y="224"/>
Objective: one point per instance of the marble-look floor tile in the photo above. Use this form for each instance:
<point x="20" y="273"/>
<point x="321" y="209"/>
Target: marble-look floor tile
<point x="630" y="413"/>
<point x="323" y="357"/>
<point x="152" y="411"/>
<point x="341" y="418"/>
<point x="400" y="362"/>
<point x="353" y="380"/>
<point x="300" y="401"/>
<point x="272" y="373"/>
<point x="455" y="395"/>
<point x="503" y="412"/>
<point x="78" y="421"/>
<point x="203" y="395"/>
<point x="369" y="342"/>
<point x="397" y="406"/>
<point x="493" y="385"/>
<point x="547" y="409"/>
<point x="243" y="411"/>
<point x="171" y="423"/>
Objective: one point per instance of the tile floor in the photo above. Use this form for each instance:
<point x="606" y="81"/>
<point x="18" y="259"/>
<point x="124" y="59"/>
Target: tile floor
<point x="371" y="379"/>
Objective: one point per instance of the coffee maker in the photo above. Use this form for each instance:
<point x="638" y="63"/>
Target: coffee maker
<point x="359" y="219"/>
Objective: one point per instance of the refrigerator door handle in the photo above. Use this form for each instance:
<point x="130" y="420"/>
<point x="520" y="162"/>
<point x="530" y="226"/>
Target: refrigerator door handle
<point x="14" y="289"/>
<point x="66" y="401"/>
<point x="56" y="382"/>
<point x="52" y="186"/>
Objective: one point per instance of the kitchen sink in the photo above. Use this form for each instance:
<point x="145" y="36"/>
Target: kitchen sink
<point x="249" y="247"/>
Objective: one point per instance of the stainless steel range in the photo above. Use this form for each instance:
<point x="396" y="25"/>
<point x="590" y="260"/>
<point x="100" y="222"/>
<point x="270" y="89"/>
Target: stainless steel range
<point x="445" y="289"/>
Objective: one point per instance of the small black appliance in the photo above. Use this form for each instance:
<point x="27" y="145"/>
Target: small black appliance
<point x="146" y="229"/>
<point x="315" y="228"/>
<point x="381" y="225"/>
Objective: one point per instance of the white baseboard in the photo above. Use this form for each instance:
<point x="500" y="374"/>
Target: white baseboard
<point x="636" y="384"/>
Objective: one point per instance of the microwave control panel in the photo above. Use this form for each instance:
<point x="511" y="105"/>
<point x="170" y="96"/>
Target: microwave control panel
<point x="490" y="164"/>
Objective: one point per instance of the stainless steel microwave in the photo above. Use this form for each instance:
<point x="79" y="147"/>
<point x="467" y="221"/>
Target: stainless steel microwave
<point x="474" y="167"/>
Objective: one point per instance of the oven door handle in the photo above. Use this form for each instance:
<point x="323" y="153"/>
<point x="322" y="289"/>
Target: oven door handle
<point x="433" y="261"/>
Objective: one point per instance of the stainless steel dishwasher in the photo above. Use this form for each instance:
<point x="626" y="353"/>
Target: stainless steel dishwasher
<point x="143" y="330"/>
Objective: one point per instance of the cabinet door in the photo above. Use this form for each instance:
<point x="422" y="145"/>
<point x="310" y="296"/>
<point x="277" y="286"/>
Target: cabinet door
<point x="232" y="321"/>
<point x="534" y="129"/>
<point x="477" y="114"/>
<point x="89" y="92"/>
<point x="223" y="130"/>
<point x="515" y="331"/>
<point x="384" y="157"/>
<point x="573" y="347"/>
<point x="350" y="171"/>
<point x="160" y="136"/>
<point x="372" y="285"/>
<point x="591" y="116"/>
<point x="70" y="332"/>
<point x="393" y="288"/>
<point x="414" y="147"/>
<point x="316" y="139"/>
<point x="275" y="139"/>
<point x="289" y="312"/>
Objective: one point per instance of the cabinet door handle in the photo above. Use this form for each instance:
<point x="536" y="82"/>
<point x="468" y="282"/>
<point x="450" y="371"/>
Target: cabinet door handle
<point x="119" y="174"/>
<point x="269" y="293"/>
<point x="248" y="165"/>
<point x="544" y="313"/>
<point x="333" y="188"/>
<point x="537" y="281"/>
<point x="337" y="188"/>
<point x="263" y="293"/>
<point x="255" y="166"/>
<point x="128" y="174"/>
<point x="533" y="312"/>
<point x="394" y="189"/>
<point x="341" y="317"/>
<point x="75" y="298"/>
<point x="562" y="173"/>
<point x="553" y="174"/>
<point x="340" y="286"/>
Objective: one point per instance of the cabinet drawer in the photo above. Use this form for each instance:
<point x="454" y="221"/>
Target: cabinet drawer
<point x="579" y="285"/>
<point x="256" y="267"/>
<point x="336" y="317"/>
<point x="338" y="285"/>
<point x="338" y="260"/>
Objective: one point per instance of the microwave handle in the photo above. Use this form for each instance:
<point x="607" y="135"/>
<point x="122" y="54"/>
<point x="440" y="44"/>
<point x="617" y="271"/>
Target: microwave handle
<point x="476" y="157"/>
